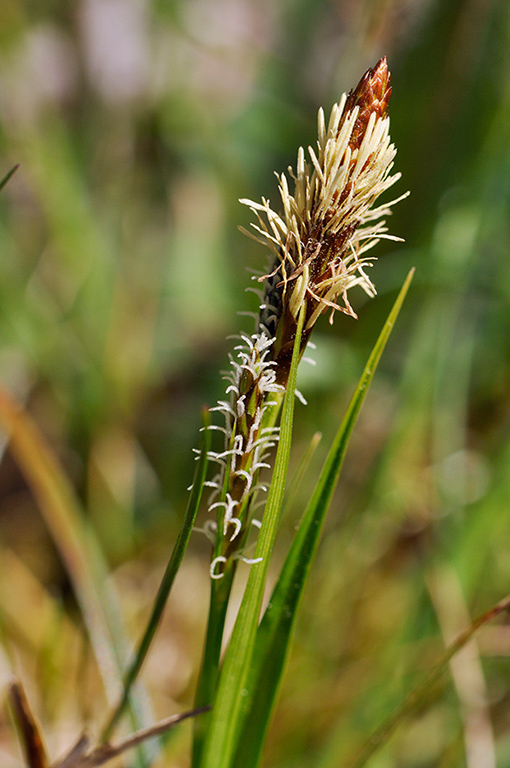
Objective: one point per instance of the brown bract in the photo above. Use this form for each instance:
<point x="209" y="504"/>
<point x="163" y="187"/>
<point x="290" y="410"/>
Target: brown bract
<point x="371" y="95"/>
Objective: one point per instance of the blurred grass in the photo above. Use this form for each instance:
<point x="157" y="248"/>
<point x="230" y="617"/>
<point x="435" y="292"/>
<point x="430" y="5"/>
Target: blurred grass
<point x="137" y="127"/>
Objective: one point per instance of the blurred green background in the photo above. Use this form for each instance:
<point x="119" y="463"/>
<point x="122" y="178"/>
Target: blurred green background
<point x="137" y="125"/>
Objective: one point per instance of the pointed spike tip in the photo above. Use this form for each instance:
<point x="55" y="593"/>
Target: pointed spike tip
<point x="372" y="94"/>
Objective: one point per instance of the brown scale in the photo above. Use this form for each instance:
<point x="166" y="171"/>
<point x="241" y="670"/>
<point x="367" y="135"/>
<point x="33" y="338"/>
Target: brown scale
<point x="372" y="94"/>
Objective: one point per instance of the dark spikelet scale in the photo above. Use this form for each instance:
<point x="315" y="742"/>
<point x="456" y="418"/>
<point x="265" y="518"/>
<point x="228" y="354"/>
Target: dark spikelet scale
<point x="272" y="301"/>
<point x="372" y="94"/>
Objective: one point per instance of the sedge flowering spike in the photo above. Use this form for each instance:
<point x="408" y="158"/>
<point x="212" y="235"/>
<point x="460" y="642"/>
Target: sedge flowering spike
<point x="329" y="219"/>
<point x="318" y="245"/>
<point x="251" y="388"/>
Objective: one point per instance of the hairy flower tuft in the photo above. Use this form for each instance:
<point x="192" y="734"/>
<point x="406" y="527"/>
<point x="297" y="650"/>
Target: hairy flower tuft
<point x="329" y="221"/>
<point x="252" y="388"/>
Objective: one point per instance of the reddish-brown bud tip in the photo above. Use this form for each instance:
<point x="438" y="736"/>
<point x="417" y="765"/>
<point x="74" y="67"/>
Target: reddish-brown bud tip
<point x="378" y="83"/>
<point x="372" y="94"/>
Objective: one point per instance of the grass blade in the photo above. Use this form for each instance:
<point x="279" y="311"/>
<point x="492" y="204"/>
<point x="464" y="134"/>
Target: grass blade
<point x="419" y="693"/>
<point x="218" y="606"/>
<point x="81" y="756"/>
<point x="77" y="546"/>
<point x="275" y="632"/>
<point x="168" y="577"/>
<point x="209" y="673"/>
<point x="8" y="175"/>
<point x="227" y="712"/>
<point x="30" y="735"/>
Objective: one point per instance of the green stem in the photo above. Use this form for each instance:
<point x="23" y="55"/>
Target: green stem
<point x="209" y="673"/>
<point x="218" y="605"/>
<point x="226" y="716"/>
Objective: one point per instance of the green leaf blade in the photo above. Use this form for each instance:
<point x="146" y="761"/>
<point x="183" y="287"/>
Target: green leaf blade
<point x="168" y="578"/>
<point x="228" y="710"/>
<point x="275" y="632"/>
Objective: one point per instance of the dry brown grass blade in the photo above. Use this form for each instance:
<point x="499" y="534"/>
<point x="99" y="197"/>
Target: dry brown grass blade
<point x="60" y="508"/>
<point x="81" y="756"/>
<point x="28" y="729"/>
<point x="418" y="693"/>
<point x="466" y="668"/>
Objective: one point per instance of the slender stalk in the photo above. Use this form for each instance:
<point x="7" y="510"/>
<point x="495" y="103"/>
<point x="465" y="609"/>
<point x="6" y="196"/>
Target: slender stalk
<point x="167" y="580"/>
<point x="8" y="175"/>
<point x="225" y="719"/>
<point x="81" y="756"/>
<point x="79" y="549"/>
<point x="29" y="732"/>
<point x="420" y="691"/>
<point x="68" y="526"/>
<point x="210" y="670"/>
<point x="218" y="606"/>
<point x="275" y="632"/>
